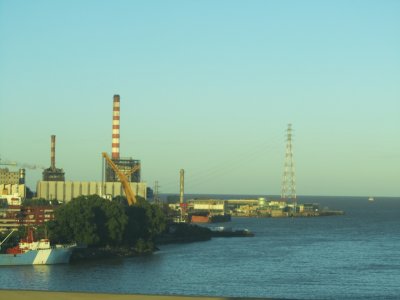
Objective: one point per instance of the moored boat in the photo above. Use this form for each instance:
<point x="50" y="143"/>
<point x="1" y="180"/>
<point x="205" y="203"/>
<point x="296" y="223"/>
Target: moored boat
<point x="31" y="252"/>
<point x="206" y="217"/>
<point x="229" y="232"/>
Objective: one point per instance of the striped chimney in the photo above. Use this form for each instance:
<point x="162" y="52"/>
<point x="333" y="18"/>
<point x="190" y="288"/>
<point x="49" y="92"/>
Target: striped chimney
<point x="115" y="128"/>
<point x="53" y="152"/>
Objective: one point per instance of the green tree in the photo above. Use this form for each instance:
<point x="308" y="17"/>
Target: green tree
<point x="98" y="222"/>
<point x="91" y="220"/>
<point x="39" y="202"/>
<point x="145" y="222"/>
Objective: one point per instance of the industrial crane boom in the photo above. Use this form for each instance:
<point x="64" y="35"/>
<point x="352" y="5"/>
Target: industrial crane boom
<point x="130" y="196"/>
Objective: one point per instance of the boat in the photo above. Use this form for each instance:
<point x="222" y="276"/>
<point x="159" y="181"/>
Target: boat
<point x="31" y="252"/>
<point x="222" y="231"/>
<point x="371" y="199"/>
<point x="206" y="217"/>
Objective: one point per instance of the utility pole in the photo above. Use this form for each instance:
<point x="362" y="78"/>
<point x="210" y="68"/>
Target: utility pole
<point x="156" y="193"/>
<point x="182" y="186"/>
<point x="289" y="177"/>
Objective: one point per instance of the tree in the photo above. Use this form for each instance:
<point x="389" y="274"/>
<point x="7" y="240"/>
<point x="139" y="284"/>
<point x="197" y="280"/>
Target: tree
<point x="98" y="222"/>
<point x="145" y="222"/>
<point x="91" y="220"/>
<point x="39" y="202"/>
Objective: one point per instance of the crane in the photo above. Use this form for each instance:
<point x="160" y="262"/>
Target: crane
<point x="123" y="177"/>
<point x="6" y="163"/>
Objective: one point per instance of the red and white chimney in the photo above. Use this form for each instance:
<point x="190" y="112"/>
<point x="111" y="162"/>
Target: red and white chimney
<point x="115" y="128"/>
<point x="53" y="152"/>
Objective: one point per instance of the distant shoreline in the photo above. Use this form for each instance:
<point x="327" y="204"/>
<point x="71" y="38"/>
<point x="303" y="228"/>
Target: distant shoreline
<point x="48" y="295"/>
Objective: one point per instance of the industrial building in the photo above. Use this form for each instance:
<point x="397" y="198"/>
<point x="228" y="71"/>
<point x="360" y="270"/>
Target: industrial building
<point x="125" y="165"/>
<point x="10" y="177"/>
<point x="12" y="190"/>
<point x="54" y="186"/>
<point x="14" y="216"/>
<point x="64" y="191"/>
<point x="12" y="184"/>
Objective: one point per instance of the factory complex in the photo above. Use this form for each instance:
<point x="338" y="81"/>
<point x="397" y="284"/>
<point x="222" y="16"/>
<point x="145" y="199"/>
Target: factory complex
<point x="119" y="175"/>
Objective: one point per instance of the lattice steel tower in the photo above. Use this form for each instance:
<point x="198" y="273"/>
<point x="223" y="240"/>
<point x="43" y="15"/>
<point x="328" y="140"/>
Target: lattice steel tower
<point x="289" y="177"/>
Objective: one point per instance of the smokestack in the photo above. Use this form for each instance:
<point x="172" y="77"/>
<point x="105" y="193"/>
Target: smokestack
<point x="115" y="128"/>
<point x="182" y="185"/>
<point x="53" y="152"/>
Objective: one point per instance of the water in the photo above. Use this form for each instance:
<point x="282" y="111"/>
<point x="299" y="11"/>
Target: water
<point x="355" y="256"/>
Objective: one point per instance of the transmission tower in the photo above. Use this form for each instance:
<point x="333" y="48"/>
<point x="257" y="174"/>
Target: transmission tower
<point x="289" y="178"/>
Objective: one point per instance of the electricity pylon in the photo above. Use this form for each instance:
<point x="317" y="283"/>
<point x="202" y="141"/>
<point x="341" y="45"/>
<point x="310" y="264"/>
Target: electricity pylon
<point x="289" y="176"/>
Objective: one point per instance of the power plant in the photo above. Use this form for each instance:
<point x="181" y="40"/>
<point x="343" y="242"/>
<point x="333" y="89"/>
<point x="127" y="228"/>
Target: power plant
<point x="55" y="187"/>
<point x="123" y="164"/>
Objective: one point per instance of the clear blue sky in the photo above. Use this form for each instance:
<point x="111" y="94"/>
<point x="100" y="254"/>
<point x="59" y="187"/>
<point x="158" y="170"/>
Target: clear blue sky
<point x="208" y="86"/>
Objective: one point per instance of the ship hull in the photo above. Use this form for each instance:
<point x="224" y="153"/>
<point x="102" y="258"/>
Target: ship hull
<point x="37" y="257"/>
<point x="206" y="218"/>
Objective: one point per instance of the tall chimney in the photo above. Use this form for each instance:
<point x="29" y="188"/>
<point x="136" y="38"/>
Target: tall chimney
<point x="115" y="128"/>
<point x="53" y="152"/>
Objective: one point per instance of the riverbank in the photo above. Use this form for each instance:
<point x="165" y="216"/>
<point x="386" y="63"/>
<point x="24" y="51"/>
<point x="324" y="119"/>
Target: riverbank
<point x="95" y="253"/>
<point x="46" y="295"/>
<point x="178" y="233"/>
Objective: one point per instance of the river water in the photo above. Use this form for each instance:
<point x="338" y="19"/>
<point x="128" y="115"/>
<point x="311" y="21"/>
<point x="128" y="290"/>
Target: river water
<point x="355" y="256"/>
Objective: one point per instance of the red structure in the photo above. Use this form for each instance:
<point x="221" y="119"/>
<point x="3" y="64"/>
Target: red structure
<point x="115" y="127"/>
<point x="14" y="216"/>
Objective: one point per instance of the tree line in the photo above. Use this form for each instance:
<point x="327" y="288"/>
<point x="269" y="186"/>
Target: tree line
<point x="97" y="222"/>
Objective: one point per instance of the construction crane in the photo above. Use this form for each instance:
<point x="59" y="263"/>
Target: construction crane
<point x="123" y="177"/>
<point x="6" y="163"/>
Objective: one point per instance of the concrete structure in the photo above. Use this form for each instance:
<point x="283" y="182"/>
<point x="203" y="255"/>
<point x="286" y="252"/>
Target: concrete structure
<point x="53" y="173"/>
<point x="10" y="200"/>
<point x="13" y="190"/>
<point x="12" y="177"/>
<point x="209" y="205"/>
<point x="64" y="191"/>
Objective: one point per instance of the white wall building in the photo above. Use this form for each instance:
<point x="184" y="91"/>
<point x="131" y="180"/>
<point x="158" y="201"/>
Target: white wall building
<point x="64" y="191"/>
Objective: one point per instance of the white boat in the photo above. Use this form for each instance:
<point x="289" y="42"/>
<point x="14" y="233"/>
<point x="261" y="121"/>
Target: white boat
<point x="371" y="199"/>
<point x="31" y="252"/>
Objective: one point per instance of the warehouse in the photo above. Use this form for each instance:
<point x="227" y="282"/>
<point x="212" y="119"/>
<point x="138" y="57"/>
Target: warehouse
<point x="64" y="191"/>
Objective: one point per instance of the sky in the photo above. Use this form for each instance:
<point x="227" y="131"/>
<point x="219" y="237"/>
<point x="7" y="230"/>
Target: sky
<point x="208" y="87"/>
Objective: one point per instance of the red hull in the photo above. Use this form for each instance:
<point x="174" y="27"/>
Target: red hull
<point x="206" y="218"/>
<point x="200" y="219"/>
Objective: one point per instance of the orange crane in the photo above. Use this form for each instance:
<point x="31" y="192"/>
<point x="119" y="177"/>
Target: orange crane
<point x="123" y="177"/>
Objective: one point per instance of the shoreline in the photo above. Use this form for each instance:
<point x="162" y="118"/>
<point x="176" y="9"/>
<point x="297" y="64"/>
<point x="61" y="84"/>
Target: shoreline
<point x="50" y="295"/>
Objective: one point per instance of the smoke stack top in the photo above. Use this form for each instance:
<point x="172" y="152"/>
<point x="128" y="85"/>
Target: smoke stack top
<point x="53" y="152"/>
<point x="115" y="127"/>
